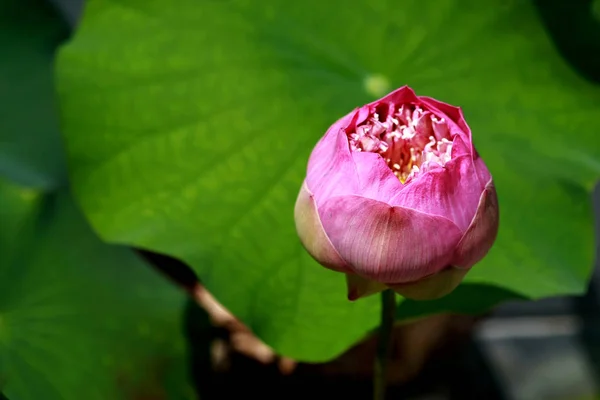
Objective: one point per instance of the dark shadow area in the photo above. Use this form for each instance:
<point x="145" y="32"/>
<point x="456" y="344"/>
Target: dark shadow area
<point x="69" y="9"/>
<point x="575" y="32"/>
<point x="177" y="271"/>
<point x="199" y="334"/>
<point x="457" y="371"/>
<point x="588" y="306"/>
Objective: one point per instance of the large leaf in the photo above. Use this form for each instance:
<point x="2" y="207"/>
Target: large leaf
<point x="80" y="319"/>
<point x="188" y="126"/>
<point x="30" y="148"/>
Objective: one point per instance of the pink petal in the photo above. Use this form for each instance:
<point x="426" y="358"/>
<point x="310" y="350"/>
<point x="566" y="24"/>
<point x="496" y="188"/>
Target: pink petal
<point x="361" y="116"/>
<point x="452" y="114"/>
<point x="376" y="179"/>
<point x="482" y="172"/>
<point x="331" y="170"/>
<point x="460" y="148"/>
<point x="388" y="244"/>
<point x="482" y="231"/>
<point x="402" y="95"/>
<point x="311" y="233"/>
<point x="452" y="192"/>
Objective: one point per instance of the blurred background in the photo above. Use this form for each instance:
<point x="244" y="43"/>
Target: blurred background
<point x="186" y="345"/>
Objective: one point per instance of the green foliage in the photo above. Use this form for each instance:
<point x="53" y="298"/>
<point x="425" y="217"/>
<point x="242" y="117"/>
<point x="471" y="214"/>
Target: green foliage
<point x="79" y="318"/>
<point x="188" y="125"/>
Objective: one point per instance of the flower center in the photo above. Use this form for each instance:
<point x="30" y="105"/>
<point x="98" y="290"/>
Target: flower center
<point x="409" y="139"/>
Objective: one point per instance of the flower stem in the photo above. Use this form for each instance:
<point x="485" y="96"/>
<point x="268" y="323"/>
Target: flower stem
<point x="384" y="343"/>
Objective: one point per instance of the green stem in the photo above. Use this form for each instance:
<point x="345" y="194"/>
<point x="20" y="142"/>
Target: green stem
<point x="384" y="343"/>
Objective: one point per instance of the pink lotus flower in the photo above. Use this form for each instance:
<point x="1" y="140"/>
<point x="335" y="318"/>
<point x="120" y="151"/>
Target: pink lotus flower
<point x="396" y="196"/>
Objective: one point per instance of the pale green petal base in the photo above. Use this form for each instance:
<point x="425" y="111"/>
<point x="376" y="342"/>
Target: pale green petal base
<point x="360" y="287"/>
<point x="433" y="287"/>
<point x="430" y="288"/>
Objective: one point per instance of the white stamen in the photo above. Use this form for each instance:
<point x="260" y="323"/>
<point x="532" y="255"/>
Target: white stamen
<point x="407" y="153"/>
